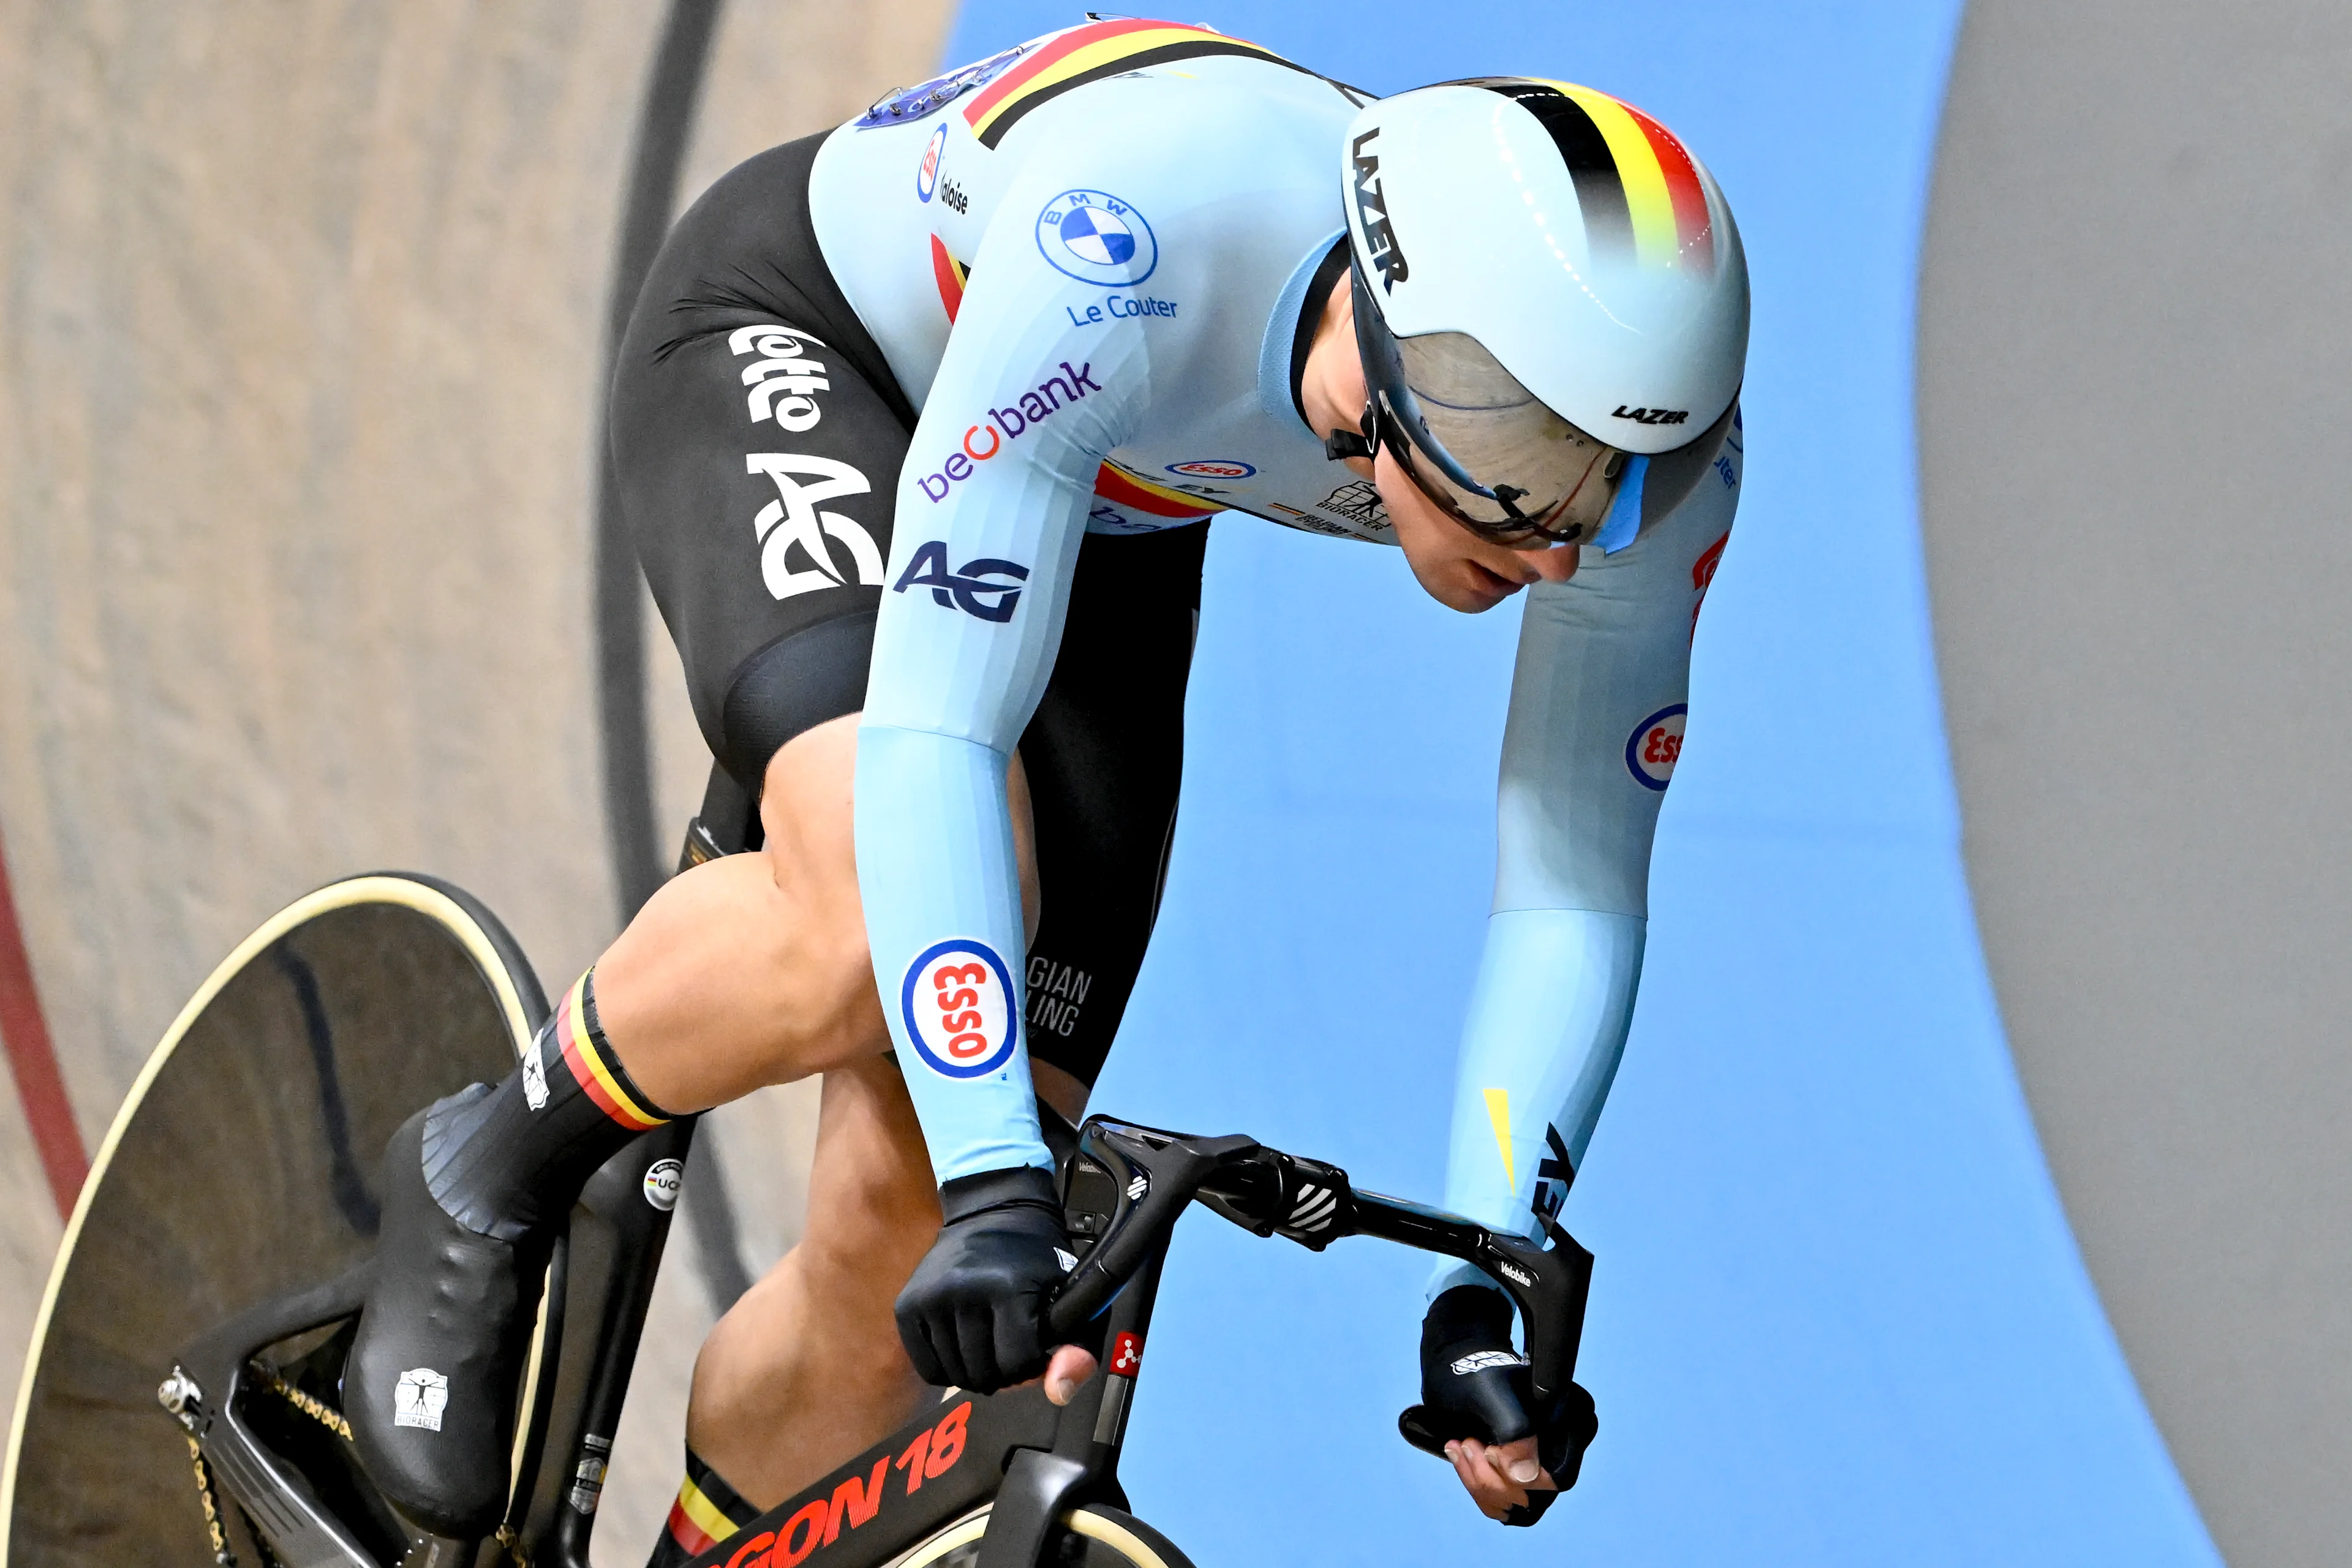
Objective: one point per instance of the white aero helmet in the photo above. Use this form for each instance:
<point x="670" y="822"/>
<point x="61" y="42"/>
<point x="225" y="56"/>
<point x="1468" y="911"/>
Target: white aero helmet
<point x="1549" y="292"/>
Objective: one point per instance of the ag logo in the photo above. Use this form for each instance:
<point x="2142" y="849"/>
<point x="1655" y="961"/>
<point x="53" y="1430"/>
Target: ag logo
<point x="970" y="590"/>
<point x="927" y="173"/>
<point x="1656" y="741"/>
<point x="662" y="1179"/>
<point x="1095" y="237"/>
<point x="957" y="1002"/>
<point x="792" y="521"/>
<point x="1214" y="468"/>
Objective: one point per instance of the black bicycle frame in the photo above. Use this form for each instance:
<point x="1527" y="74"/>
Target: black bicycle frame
<point x="1030" y="1462"/>
<point x="1015" y="1454"/>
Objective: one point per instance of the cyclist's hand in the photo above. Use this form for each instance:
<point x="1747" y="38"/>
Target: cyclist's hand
<point x="1477" y="1410"/>
<point x="1502" y="1478"/>
<point x="973" y="1315"/>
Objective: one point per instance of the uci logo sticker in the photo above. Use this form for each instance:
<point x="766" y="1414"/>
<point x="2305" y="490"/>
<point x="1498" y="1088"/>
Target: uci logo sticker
<point x="1214" y="468"/>
<point x="1095" y="237"/>
<point x="1655" y="743"/>
<point x="958" y="1006"/>
<point x="927" y="173"/>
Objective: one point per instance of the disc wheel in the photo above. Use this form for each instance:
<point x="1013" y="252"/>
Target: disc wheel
<point x="242" y="1166"/>
<point x="1091" y="1537"/>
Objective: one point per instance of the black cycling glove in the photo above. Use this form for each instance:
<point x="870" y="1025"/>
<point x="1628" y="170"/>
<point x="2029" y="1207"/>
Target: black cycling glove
<point x="1473" y="1384"/>
<point x="973" y="1315"/>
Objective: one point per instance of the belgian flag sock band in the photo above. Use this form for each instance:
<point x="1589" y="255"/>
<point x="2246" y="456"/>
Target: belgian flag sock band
<point x="707" y="1510"/>
<point x="509" y="1161"/>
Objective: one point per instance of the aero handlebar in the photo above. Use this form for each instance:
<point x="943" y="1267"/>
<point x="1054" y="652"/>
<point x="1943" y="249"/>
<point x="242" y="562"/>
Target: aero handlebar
<point x="1128" y="1186"/>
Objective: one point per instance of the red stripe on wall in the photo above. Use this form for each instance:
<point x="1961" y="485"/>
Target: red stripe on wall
<point x="33" y="1061"/>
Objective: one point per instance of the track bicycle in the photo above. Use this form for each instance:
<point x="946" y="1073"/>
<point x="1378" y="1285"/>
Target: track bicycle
<point x="221" y="1249"/>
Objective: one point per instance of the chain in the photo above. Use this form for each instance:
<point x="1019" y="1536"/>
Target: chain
<point x="330" y="1418"/>
<point x="221" y="1553"/>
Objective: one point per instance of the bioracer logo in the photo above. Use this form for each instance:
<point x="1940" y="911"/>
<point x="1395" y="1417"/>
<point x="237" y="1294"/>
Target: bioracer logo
<point x="1373" y="212"/>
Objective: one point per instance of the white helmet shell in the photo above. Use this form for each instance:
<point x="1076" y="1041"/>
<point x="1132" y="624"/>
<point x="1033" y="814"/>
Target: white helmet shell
<point x="1570" y="234"/>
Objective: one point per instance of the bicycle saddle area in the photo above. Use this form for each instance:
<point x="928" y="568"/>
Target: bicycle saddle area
<point x="238" y="1181"/>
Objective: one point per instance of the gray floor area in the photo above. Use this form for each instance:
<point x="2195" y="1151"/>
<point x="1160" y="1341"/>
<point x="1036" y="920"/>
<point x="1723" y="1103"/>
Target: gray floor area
<point x="2134" y="377"/>
<point x="300" y="321"/>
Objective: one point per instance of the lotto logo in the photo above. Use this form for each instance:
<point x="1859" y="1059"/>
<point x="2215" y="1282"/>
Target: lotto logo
<point x="958" y="1003"/>
<point x="1126" y="1355"/>
<point x="1657" y="743"/>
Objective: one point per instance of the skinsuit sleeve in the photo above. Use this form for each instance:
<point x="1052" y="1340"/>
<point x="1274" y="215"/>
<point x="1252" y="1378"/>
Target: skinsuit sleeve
<point x="1596" y="721"/>
<point x="991" y="509"/>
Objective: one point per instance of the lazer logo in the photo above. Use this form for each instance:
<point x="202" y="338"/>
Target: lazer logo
<point x="1373" y="212"/>
<point x="785" y="372"/>
<point x="968" y="590"/>
<point x="792" y="520"/>
<point x="1653" y="416"/>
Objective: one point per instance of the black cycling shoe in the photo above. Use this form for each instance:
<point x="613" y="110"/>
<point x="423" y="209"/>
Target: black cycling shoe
<point x="430" y="1385"/>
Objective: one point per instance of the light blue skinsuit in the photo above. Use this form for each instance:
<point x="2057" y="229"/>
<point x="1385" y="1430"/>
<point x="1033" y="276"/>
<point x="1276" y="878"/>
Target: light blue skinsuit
<point x="1139" y="249"/>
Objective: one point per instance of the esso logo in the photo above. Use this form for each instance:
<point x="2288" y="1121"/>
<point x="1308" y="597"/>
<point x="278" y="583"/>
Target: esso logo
<point x="958" y="1002"/>
<point x="1214" y="468"/>
<point x="662" y="1179"/>
<point x="1654" y="745"/>
<point x="927" y="173"/>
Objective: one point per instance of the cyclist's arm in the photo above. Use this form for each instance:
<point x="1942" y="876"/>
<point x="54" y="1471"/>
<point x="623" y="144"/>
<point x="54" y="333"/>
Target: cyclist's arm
<point x="1603" y="659"/>
<point x="991" y="509"/>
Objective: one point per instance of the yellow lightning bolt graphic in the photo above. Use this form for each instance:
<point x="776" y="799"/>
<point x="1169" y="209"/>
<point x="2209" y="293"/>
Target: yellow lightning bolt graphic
<point x="1498" y="1111"/>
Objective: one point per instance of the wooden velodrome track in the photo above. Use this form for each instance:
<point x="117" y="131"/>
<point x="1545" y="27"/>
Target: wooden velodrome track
<point x="302" y="321"/>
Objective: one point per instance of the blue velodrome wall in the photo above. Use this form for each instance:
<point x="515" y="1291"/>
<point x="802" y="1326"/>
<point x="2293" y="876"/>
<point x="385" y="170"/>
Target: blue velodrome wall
<point x="1838" y="1317"/>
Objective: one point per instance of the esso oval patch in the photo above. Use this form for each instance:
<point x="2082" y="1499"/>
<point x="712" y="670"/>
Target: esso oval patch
<point x="1657" y="743"/>
<point x="927" y="173"/>
<point x="1214" y="468"/>
<point x="958" y="1003"/>
<point x="662" y="1179"/>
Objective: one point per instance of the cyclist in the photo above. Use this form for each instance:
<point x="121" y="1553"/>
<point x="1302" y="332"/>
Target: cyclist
<point x="919" y="425"/>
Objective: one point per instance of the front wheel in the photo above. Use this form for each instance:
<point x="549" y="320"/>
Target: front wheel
<point x="1090" y="1537"/>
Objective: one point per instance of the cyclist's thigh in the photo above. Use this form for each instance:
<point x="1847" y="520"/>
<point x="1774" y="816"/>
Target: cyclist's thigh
<point x="1104" y="753"/>
<point x="757" y="467"/>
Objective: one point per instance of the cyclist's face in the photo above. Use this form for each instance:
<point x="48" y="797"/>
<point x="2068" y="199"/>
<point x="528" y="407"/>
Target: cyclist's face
<point x="1461" y="570"/>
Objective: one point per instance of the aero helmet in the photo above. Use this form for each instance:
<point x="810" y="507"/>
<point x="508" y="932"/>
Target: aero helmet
<point x="1549" y="292"/>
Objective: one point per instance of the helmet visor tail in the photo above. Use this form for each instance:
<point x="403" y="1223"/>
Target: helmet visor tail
<point x="1476" y="441"/>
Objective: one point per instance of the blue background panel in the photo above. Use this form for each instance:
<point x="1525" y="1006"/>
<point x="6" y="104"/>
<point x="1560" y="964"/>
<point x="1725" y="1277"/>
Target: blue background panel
<point x="1838" y="1317"/>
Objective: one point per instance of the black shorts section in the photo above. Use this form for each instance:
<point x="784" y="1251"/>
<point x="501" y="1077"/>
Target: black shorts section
<point x="747" y="560"/>
<point x="1105" y="754"/>
<point x="718" y="534"/>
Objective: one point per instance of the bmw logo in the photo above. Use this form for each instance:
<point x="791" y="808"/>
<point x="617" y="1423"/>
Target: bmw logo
<point x="1095" y="237"/>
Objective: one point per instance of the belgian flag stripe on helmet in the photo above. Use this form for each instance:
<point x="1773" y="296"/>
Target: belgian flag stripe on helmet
<point x="1090" y="54"/>
<point x="1640" y="192"/>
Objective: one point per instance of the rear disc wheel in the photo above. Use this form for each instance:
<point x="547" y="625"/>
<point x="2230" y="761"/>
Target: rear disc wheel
<point x="1094" y="1536"/>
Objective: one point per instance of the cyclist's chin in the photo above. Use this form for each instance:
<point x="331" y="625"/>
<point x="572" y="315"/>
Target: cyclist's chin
<point x="1465" y="585"/>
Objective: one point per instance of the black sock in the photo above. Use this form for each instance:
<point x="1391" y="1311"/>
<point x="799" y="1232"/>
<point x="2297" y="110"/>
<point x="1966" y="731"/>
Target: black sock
<point x="509" y="1161"/>
<point x="707" y="1510"/>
